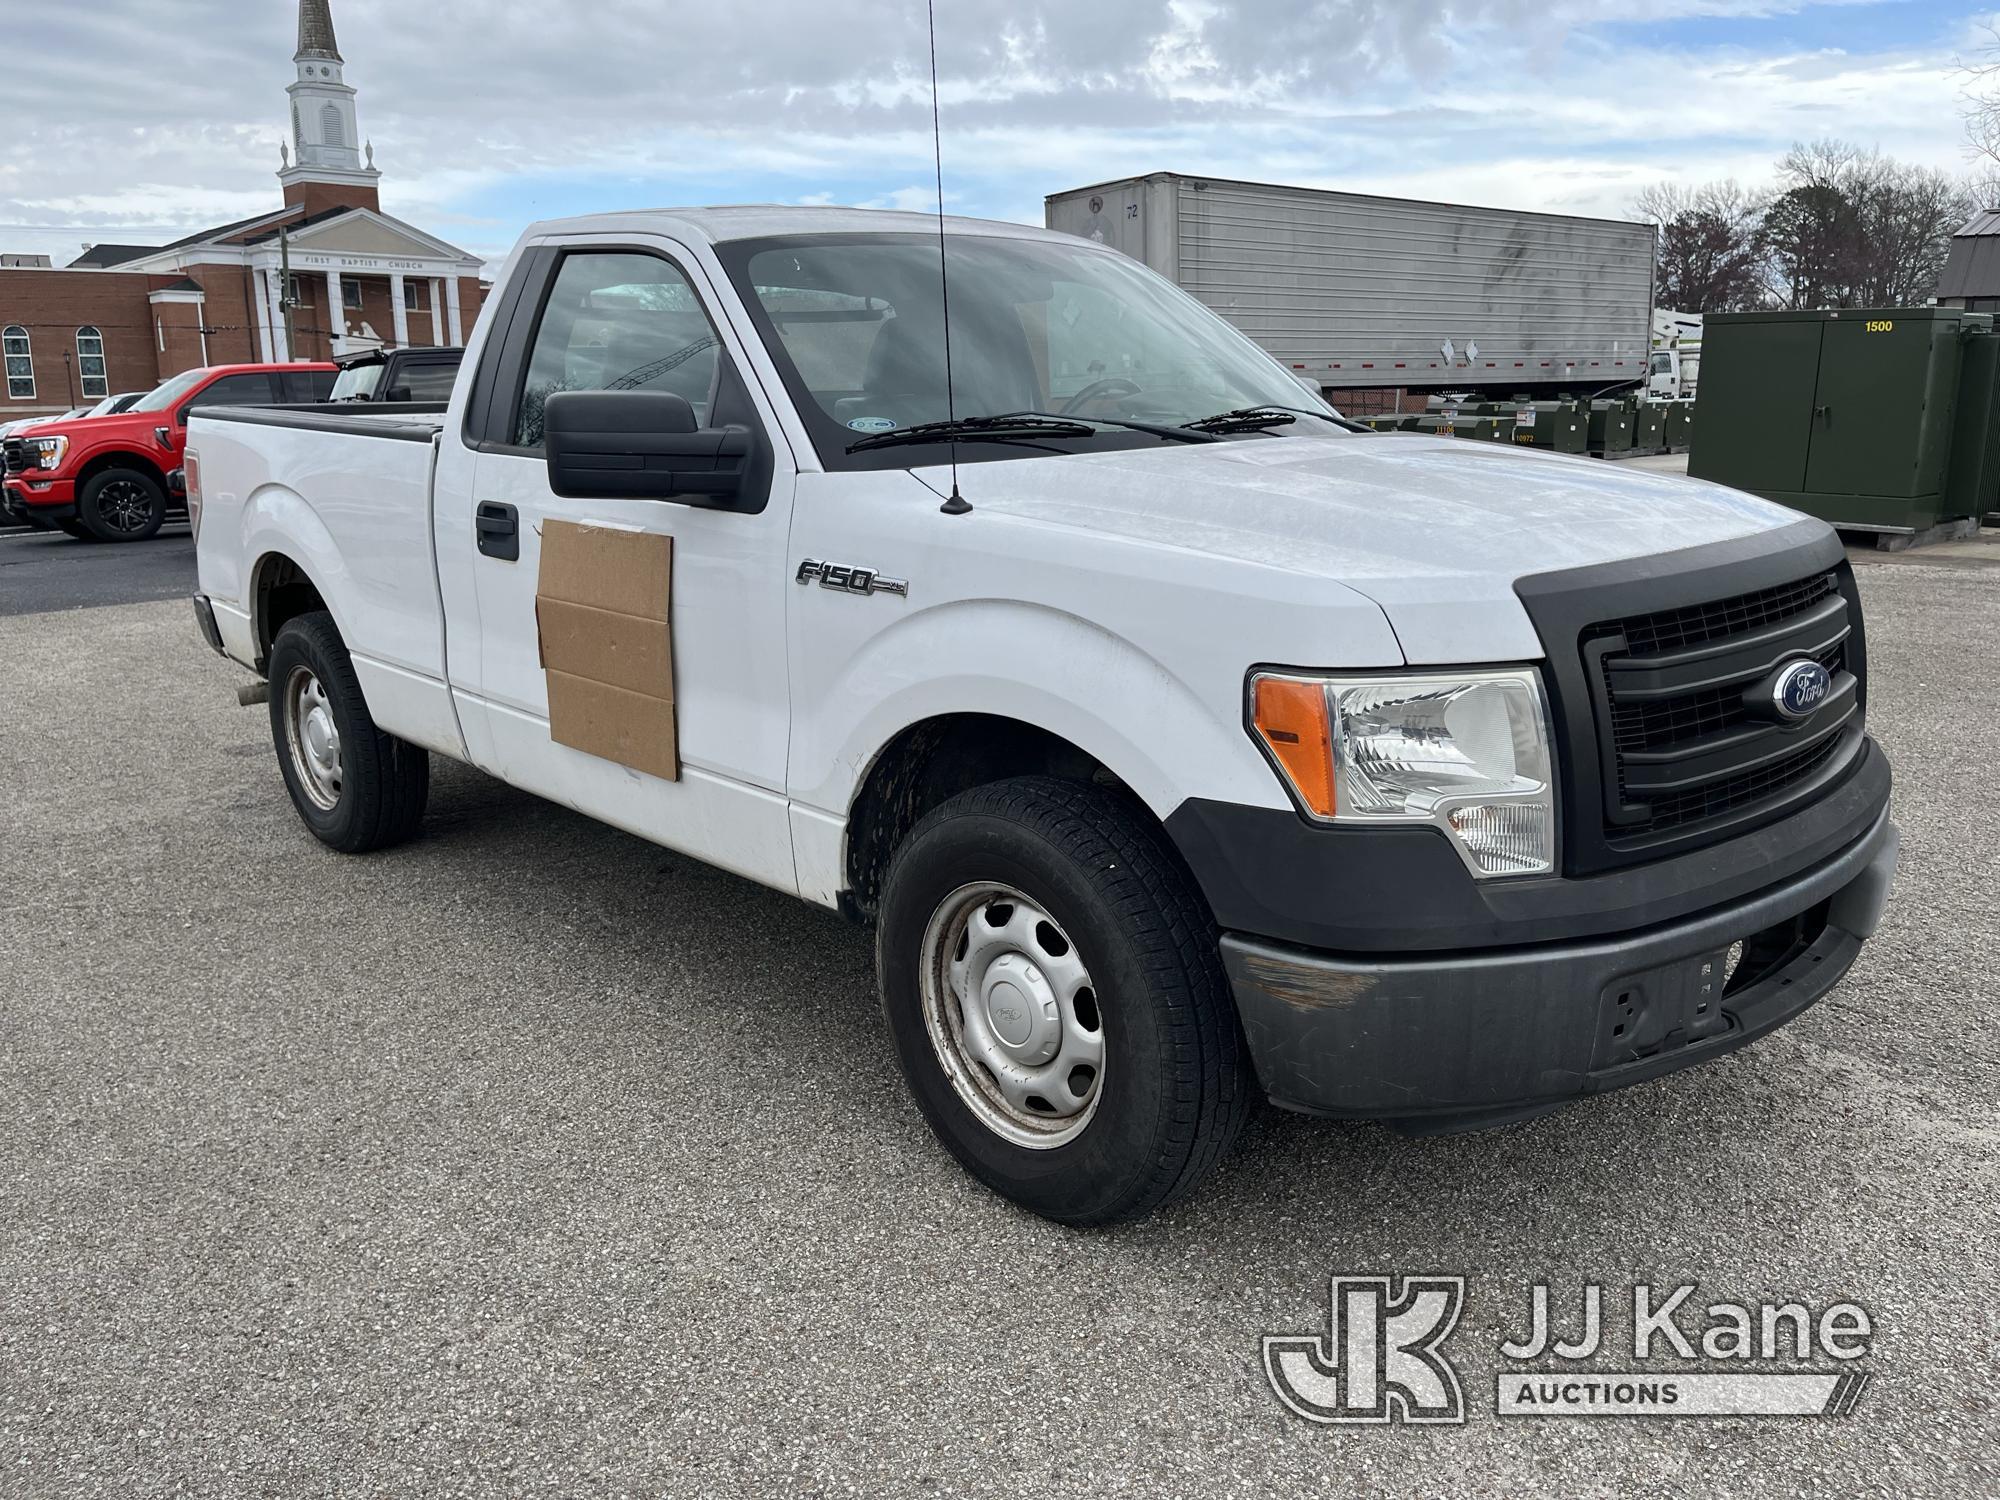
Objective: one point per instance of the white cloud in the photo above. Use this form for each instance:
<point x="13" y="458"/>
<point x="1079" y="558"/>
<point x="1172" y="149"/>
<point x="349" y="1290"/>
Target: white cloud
<point x="489" y="113"/>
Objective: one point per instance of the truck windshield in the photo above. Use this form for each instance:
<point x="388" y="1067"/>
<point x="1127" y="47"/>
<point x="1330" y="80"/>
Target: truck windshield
<point x="358" y="382"/>
<point x="163" y="396"/>
<point x="855" y="323"/>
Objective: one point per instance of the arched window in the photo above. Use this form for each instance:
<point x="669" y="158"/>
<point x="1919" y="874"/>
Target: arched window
<point x="90" y="364"/>
<point x="20" y="363"/>
<point x="329" y="126"/>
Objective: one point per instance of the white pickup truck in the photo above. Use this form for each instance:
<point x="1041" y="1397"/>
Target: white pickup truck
<point x="1182" y="743"/>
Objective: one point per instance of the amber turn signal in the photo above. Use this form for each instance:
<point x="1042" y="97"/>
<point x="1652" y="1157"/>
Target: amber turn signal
<point x="1291" y="719"/>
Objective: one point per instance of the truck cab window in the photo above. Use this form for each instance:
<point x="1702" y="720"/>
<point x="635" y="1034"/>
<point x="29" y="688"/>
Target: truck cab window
<point x="238" y="390"/>
<point x="619" y="321"/>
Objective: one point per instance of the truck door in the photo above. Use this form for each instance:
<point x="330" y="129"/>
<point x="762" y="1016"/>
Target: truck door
<point x="626" y="317"/>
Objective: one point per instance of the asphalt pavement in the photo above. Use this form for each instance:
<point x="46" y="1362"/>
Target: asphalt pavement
<point x="40" y="570"/>
<point x="532" y="1160"/>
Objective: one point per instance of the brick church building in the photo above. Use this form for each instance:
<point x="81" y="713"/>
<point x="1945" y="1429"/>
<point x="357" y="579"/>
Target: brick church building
<point x="126" y="317"/>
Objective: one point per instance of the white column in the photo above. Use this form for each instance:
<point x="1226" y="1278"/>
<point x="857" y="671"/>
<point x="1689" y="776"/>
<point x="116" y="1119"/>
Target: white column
<point x="274" y="297"/>
<point x="437" y="313"/>
<point x="260" y="318"/>
<point x="336" y="312"/>
<point x="401" y="315"/>
<point x="451" y="304"/>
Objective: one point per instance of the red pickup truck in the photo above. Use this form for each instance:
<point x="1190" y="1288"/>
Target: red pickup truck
<point x="114" y="478"/>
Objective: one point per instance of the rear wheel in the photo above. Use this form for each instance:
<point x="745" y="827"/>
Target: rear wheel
<point x="122" y="505"/>
<point x="1056" y="995"/>
<point x="357" y="788"/>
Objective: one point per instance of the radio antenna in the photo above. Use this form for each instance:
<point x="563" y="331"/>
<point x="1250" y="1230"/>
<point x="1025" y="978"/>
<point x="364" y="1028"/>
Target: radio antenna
<point x="957" y="504"/>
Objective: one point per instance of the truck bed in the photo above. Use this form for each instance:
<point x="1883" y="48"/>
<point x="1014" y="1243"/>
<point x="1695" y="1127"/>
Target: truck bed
<point x="358" y="481"/>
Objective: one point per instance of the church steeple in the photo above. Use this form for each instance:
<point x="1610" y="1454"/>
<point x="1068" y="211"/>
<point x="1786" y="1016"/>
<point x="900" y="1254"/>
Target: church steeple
<point x="316" y="37"/>
<point x="326" y="137"/>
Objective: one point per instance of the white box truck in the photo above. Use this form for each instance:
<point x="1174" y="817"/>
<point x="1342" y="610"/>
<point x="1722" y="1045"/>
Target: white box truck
<point x="1354" y="292"/>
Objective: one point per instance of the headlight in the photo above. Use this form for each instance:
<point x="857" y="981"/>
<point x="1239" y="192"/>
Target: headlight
<point x="1467" y="752"/>
<point x="49" y="451"/>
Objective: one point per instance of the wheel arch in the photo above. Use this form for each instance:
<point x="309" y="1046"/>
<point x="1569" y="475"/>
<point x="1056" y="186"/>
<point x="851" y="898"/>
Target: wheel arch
<point x="120" y="458"/>
<point x="281" y="589"/>
<point x="931" y="761"/>
<point x="298" y="565"/>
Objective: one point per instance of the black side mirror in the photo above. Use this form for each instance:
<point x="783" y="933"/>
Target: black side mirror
<point x="640" y="445"/>
<point x="182" y="415"/>
<point x="397" y="393"/>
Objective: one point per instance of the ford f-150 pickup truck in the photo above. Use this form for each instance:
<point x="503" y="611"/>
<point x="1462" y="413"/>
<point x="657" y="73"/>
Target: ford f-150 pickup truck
<point x="1182" y="743"/>
<point x="113" y="478"/>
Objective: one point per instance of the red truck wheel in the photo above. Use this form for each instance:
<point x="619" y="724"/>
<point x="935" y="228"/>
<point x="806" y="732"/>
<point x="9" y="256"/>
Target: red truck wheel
<point x="122" y="505"/>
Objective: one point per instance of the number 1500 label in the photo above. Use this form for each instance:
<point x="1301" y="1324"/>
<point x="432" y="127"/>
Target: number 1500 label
<point x="1881" y="325"/>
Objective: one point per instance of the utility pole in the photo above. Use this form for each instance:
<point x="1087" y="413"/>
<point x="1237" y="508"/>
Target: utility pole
<point x="285" y="298"/>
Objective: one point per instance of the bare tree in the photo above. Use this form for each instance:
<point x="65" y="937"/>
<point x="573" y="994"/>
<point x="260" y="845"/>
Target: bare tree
<point x="1708" y="258"/>
<point x="1979" y="100"/>
<point x="1854" y="228"/>
<point x="1906" y="217"/>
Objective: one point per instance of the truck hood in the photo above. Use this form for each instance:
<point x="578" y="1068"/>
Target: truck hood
<point x="133" y="427"/>
<point x="1434" y="530"/>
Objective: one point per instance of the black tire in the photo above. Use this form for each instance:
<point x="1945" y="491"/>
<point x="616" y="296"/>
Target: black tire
<point x="122" y="505"/>
<point x="382" y="782"/>
<point x="1175" y="1085"/>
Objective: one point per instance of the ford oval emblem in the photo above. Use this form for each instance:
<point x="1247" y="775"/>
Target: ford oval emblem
<point x="1801" y="688"/>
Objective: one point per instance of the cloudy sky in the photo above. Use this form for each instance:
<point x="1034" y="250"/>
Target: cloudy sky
<point x="137" y="124"/>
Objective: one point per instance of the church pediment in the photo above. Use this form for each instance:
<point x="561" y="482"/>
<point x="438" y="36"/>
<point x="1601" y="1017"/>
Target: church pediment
<point x="365" y="233"/>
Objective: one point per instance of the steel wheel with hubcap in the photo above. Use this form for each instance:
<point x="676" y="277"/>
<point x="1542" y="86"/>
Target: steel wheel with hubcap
<point x="1013" y="1015"/>
<point x="313" y="738"/>
<point x="356" y="787"/>
<point x="1054" y="986"/>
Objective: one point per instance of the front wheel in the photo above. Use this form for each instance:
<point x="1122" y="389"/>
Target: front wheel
<point x="122" y="505"/>
<point x="1057" y="999"/>
<point x="357" y="788"/>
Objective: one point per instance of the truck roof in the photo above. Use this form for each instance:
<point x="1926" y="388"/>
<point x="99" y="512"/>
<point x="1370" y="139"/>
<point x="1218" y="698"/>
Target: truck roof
<point x="750" y="221"/>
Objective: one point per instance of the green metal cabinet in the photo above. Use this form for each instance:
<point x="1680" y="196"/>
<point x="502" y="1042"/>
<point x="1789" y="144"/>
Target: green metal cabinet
<point x="1680" y="425"/>
<point x="1559" y="426"/>
<point x="1850" y="415"/>
<point x="1611" y="427"/>
<point x="1651" y="434"/>
<point x="1972" y="479"/>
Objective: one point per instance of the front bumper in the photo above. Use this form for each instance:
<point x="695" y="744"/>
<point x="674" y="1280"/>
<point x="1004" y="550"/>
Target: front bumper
<point x="1450" y="1042"/>
<point x="39" y="502"/>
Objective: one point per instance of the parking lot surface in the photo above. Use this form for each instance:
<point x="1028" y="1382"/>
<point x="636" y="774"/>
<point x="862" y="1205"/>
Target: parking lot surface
<point x="530" y="1159"/>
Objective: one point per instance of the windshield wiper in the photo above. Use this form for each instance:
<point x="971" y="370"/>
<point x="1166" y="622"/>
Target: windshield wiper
<point x="978" y="429"/>
<point x="1257" y="418"/>
<point x="1191" y="433"/>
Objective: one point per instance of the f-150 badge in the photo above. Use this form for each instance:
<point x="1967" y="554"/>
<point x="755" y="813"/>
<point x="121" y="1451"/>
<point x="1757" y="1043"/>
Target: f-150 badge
<point x="846" y="580"/>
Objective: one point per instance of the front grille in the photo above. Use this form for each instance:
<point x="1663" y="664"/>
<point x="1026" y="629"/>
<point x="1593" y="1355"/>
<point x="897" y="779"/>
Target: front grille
<point x="1698" y="624"/>
<point x="1718" y="799"/>
<point x="16" y="451"/>
<point x="1687" y="734"/>
<point x="1655" y="726"/>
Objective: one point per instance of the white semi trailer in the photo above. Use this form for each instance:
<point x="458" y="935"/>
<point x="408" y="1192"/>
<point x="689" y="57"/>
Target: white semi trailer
<point x="1355" y="292"/>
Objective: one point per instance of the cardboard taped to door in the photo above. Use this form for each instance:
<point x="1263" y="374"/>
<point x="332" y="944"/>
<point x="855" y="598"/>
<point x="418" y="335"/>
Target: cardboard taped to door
<point x="603" y="611"/>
